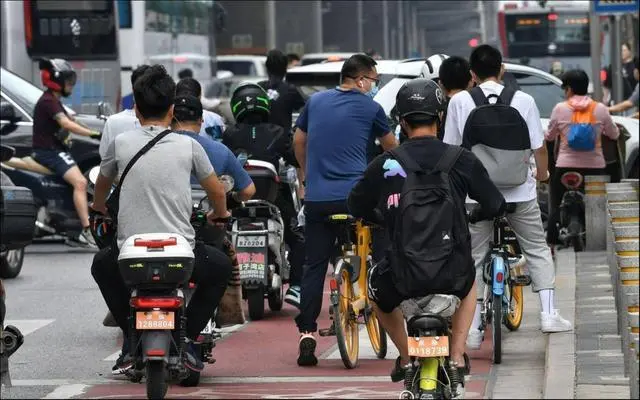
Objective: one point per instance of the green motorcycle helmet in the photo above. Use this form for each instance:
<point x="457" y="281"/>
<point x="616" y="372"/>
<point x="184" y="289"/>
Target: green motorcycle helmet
<point x="250" y="99"/>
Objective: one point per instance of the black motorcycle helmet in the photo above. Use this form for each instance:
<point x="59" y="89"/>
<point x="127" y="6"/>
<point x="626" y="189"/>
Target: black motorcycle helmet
<point x="55" y="73"/>
<point x="420" y="96"/>
<point x="250" y="99"/>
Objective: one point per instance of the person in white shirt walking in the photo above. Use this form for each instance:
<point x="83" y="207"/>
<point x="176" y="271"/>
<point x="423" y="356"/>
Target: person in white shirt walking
<point x="487" y="70"/>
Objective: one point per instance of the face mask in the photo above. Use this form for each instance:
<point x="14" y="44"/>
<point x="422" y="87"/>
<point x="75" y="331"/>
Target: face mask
<point x="373" y="91"/>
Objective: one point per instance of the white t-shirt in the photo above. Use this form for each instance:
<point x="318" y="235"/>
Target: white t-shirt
<point x="461" y="105"/>
<point x="116" y="124"/>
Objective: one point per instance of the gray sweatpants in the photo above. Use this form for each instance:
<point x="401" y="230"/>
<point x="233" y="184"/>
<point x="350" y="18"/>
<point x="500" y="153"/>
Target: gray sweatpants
<point x="527" y="225"/>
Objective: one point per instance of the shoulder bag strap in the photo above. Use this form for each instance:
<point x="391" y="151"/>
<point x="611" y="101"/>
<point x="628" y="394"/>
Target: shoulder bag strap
<point x="478" y="96"/>
<point x="507" y="95"/>
<point x="448" y="159"/>
<point x="408" y="163"/>
<point x="139" y="154"/>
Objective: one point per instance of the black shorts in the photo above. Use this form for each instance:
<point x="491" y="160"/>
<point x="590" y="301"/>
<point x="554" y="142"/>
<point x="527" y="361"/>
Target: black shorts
<point x="383" y="291"/>
<point x="58" y="161"/>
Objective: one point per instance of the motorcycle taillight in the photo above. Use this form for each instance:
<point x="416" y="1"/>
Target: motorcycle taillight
<point x="571" y="180"/>
<point x="166" y="303"/>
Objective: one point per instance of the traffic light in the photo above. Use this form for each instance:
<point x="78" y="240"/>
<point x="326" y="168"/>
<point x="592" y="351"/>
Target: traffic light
<point x="473" y="42"/>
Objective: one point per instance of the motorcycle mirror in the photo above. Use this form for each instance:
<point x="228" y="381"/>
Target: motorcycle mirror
<point x="243" y="157"/>
<point x="8" y="113"/>
<point x="6" y="152"/>
<point x="104" y="110"/>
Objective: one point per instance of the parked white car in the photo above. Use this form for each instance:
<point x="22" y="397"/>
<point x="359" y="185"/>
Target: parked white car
<point x="243" y="65"/>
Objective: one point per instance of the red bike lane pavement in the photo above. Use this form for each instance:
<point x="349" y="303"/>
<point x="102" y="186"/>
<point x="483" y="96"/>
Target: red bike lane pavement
<point x="259" y="361"/>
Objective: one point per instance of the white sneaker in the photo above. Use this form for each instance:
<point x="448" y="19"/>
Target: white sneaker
<point x="553" y="322"/>
<point x="474" y="339"/>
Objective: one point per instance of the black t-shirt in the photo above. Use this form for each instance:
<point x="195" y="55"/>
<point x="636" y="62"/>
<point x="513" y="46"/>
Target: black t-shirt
<point x="382" y="183"/>
<point x="628" y="80"/>
<point x="264" y="142"/>
<point x="285" y="100"/>
<point x="45" y="125"/>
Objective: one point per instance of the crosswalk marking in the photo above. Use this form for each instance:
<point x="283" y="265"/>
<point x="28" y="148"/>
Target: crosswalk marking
<point x="27" y="326"/>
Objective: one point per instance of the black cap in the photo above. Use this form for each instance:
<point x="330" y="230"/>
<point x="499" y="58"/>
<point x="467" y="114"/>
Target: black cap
<point x="420" y="96"/>
<point x="187" y="108"/>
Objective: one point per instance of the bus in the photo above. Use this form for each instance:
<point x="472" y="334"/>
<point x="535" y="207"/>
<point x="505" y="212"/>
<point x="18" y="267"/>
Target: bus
<point x="552" y="37"/>
<point x="164" y="27"/>
<point x="82" y="32"/>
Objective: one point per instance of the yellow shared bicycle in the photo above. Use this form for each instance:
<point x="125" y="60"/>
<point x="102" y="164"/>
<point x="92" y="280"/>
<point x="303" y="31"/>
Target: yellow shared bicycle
<point x="350" y="304"/>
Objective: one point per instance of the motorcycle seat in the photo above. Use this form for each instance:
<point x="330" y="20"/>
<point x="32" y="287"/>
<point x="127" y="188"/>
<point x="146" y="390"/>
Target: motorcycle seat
<point x="426" y="322"/>
<point x="28" y="164"/>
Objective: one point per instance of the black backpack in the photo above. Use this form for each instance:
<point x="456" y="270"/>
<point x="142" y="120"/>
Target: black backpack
<point x="498" y="135"/>
<point x="428" y="230"/>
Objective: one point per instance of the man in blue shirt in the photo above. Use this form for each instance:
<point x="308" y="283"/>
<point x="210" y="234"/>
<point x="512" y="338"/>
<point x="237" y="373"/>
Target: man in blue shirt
<point x="330" y="143"/>
<point x="187" y="121"/>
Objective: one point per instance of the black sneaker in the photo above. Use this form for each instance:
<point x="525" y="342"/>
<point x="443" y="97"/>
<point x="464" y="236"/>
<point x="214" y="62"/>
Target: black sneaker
<point x="123" y="364"/>
<point x="192" y="359"/>
<point x="399" y="371"/>
<point x="307" y="349"/>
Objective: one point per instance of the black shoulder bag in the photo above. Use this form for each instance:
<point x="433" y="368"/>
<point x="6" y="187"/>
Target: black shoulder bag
<point x="113" y="202"/>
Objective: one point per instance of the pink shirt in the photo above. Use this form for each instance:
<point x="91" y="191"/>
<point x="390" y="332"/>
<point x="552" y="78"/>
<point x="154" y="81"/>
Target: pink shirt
<point x="559" y="126"/>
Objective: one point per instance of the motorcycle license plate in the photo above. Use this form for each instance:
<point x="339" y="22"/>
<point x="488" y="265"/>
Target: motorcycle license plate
<point x="251" y="241"/>
<point x="428" y="346"/>
<point x="155" y="320"/>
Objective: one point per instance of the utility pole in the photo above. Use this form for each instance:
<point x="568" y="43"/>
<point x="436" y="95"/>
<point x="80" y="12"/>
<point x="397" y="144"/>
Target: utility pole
<point x="360" y="26"/>
<point x="271" y="24"/>
<point x="594" y="35"/>
<point x="400" y="31"/>
<point x="616" y="62"/>
<point x="385" y="29"/>
<point x="318" y="44"/>
<point x="483" y="27"/>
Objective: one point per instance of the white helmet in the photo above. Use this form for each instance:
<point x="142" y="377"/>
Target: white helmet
<point x="431" y="67"/>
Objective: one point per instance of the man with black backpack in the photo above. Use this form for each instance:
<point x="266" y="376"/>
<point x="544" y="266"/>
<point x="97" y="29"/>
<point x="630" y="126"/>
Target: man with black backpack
<point x="420" y="188"/>
<point x="501" y="125"/>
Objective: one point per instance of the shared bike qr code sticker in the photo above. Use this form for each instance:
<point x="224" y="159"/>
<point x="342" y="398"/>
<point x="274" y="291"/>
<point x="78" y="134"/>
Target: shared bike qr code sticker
<point x="431" y="346"/>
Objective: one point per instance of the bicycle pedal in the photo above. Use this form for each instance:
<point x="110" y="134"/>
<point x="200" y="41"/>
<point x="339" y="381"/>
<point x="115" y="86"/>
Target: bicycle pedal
<point x="327" y="332"/>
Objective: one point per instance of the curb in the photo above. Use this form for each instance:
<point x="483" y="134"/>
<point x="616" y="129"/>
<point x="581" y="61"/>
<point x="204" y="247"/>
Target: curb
<point x="560" y="362"/>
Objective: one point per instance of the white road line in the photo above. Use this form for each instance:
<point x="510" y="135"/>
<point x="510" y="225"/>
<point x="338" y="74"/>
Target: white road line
<point x="227" y="330"/>
<point x="217" y="380"/>
<point x="67" y="391"/>
<point x="27" y="326"/>
<point x="366" y="350"/>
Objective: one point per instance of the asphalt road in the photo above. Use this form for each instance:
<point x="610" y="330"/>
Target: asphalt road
<point x="68" y="353"/>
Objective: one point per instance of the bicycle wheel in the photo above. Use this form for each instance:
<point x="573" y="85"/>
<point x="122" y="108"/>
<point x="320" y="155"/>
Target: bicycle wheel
<point x="513" y="313"/>
<point x="377" y="335"/>
<point x="347" y="331"/>
<point x="496" y="304"/>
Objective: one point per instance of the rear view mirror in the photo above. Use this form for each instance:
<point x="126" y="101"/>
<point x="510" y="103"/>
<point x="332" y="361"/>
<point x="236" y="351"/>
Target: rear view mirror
<point x="8" y="113"/>
<point x="6" y="152"/>
<point x="104" y="110"/>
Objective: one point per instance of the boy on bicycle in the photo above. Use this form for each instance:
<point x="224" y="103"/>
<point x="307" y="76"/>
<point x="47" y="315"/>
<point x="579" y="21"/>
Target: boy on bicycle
<point x="420" y="104"/>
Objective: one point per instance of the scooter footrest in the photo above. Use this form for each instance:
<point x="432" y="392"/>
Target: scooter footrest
<point x="331" y="331"/>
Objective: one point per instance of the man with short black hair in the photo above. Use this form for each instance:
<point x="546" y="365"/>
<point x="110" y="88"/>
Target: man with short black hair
<point x="213" y="125"/>
<point x="284" y="97"/>
<point x="455" y="76"/>
<point x="123" y="121"/>
<point x="487" y="70"/>
<point x="185" y="73"/>
<point x="156" y="197"/>
<point x="330" y="144"/>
